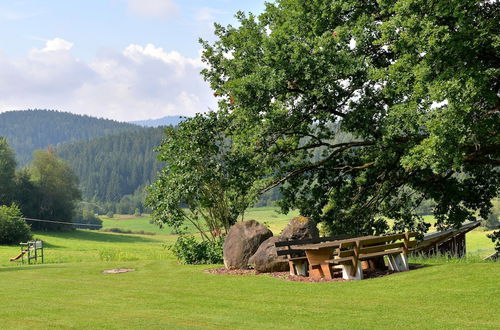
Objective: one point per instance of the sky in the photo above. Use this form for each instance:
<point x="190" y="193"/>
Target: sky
<point x="118" y="59"/>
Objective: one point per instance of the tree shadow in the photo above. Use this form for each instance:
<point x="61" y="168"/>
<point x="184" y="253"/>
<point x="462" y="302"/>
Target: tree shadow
<point x="97" y="237"/>
<point x="27" y="267"/>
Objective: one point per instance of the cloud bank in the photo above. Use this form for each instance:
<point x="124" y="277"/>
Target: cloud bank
<point x="153" y="8"/>
<point x="138" y="83"/>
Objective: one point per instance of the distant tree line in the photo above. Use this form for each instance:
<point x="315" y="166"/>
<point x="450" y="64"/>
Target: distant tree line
<point x="115" y="169"/>
<point x="28" y="130"/>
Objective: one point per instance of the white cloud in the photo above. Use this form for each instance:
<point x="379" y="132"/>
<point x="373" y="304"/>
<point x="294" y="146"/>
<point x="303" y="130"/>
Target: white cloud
<point x="57" y="44"/>
<point x="206" y="14"/>
<point x="138" y="83"/>
<point x="153" y="8"/>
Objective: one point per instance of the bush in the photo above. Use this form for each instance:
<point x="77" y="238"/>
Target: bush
<point x="12" y="229"/>
<point x="126" y="231"/>
<point x="188" y="250"/>
<point x="89" y="218"/>
<point x="110" y="214"/>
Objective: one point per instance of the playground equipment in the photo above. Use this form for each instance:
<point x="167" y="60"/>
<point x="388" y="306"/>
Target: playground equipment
<point x="31" y="250"/>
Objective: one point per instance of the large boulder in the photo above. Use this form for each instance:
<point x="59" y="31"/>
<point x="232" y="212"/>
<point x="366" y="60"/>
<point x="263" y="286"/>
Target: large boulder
<point x="300" y="228"/>
<point x="266" y="259"/>
<point x="242" y="241"/>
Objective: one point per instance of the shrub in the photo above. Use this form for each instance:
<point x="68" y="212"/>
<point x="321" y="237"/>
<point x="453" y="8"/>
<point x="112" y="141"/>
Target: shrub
<point x="126" y="231"/>
<point x="89" y="218"/>
<point x="13" y="230"/>
<point x="189" y="250"/>
<point x="110" y="214"/>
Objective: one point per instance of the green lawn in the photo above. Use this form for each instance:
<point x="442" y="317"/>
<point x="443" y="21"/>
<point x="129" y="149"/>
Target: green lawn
<point x="163" y="294"/>
<point x="69" y="291"/>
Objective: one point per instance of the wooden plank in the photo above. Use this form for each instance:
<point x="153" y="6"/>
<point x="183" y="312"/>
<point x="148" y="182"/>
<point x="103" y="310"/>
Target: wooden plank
<point x="355" y="259"/>
<point x="311" y="240"/>
<point x="339" y="260"/>
<point x="382" y="239"/>
<point x="297" y="258"/>
<point x="345" y="253"/>
<point x="288" y="252"/>
<point x="381" y="247"/>
<point x="382" y="253"/>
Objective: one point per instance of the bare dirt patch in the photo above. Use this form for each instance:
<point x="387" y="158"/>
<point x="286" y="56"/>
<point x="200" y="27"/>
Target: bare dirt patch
<point x="118" y="270"/>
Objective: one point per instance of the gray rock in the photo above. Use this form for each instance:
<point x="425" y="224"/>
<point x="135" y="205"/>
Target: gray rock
<point x="300" y="228"/>
<point x="266" y="260"/>
<point x="242" y="241"/>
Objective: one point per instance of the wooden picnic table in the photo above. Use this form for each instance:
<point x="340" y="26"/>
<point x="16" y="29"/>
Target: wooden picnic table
<point x="347" y="254"/>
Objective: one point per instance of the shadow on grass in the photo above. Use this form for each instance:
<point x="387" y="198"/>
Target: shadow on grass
<point x="97" y="237"/>
<point x="27" y="267"/>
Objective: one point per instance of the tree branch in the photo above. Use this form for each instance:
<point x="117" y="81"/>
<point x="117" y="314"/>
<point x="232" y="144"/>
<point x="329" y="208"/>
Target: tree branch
<point x="342" y="147"/>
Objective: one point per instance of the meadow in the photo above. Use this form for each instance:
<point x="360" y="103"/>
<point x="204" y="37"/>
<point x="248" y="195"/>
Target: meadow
<point x="70" y="291"/>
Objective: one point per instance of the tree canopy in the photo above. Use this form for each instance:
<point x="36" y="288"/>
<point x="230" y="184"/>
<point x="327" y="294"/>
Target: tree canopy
<point x="57" y="188"/>
<point x="411" y="86"/>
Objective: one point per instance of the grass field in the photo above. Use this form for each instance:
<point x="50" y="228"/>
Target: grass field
<point x="69" y="291"/>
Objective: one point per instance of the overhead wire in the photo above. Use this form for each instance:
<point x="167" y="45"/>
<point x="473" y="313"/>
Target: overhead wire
<point x="58" y="222"/>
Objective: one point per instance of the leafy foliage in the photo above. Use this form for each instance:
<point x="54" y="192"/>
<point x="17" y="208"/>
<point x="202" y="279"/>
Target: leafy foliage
<point x="205" y="181"/>
<point x="87" y="217"/>
<point x="398" y="98"/>
<point x="47" y="190"/>
<point x="57" y="188"/>
<point x="13" y="230"/>
<point x="495" y="238"/>
<point x="188" y="250"/>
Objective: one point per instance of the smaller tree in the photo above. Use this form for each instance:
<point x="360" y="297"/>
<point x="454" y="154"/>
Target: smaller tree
<point x="205" y="182"/>
<point x="57" y="186"/>
<point x="13" y="229"/>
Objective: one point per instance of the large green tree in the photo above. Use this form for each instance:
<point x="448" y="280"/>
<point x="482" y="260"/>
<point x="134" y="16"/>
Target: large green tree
<point x="412" y="86"/>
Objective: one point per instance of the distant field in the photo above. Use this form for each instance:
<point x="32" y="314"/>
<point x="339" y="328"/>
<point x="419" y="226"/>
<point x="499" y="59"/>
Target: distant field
<point x="266" y="215"/>
<point x="477" y="242"/>
<point x="134" y="224"/>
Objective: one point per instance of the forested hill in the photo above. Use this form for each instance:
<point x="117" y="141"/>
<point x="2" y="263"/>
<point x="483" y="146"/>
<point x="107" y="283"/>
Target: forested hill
<point x="112" y="166"/>
<point x="164" y="121"/>
<point x="29" y="130"/>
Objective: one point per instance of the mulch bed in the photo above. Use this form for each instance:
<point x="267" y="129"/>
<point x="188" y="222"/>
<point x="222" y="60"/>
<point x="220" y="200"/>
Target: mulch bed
<point x="367" y="274"/>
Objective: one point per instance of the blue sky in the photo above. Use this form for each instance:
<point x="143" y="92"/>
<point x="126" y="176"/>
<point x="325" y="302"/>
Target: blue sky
<point x="119" y="59"/>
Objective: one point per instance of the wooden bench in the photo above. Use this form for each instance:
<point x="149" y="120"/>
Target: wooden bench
<point x="347" y="254"/>
<point x="297" y="258"/>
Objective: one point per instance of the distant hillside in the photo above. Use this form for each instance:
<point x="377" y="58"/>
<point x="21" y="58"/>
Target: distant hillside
<point x="112" y="166"/>
<point x="29" y="130"/>
<point x="164" y="121"/>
